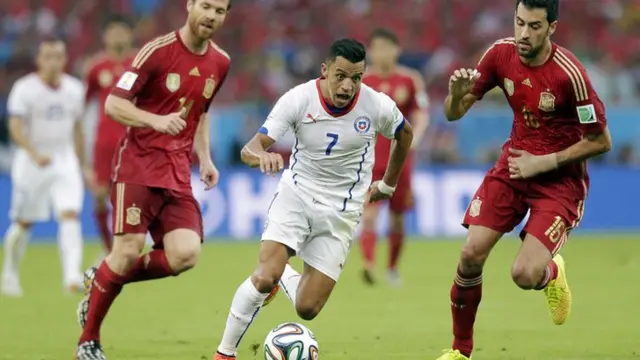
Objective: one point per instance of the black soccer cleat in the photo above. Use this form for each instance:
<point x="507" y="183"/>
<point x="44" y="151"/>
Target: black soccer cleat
<point x="90" y="350"/>
<point x="367" y="276"/>
<point x="83" y="306"/>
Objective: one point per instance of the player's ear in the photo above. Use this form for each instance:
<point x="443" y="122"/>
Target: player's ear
<point x="552" y="27"/>
<point x="324" y="70"/>
<point x="190" y="4"/>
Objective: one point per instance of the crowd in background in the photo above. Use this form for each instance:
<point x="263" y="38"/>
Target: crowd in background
<point x="275" y="44"/>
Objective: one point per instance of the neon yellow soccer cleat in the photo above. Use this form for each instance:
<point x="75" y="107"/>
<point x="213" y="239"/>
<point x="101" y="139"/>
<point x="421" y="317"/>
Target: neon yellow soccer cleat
<point x="559" y="295"/>
<point x="452" y="355"/>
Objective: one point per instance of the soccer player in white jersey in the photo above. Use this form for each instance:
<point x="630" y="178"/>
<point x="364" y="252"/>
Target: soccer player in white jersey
<point x="44" y="112"/>
<point x="319" y="201"/>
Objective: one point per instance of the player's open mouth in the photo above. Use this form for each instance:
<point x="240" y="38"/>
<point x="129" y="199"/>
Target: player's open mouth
<point x="343" y="97"/>
<point x="207" y="26"/>
<point x="524" y="45"/>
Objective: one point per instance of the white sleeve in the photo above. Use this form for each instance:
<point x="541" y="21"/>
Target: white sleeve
<point x="390" y="120"/>
<point x="17" y="102"/>
<point x="283" y="115"/>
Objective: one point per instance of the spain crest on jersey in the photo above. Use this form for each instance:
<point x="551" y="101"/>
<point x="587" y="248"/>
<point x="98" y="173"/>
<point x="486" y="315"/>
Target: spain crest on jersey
<point x="401" y="94"/>
<point x="105" y="78"/>
<point x="362" y="125"/>
<point x="509" y="86"/>
<point x="173" y="82"/>
<point x="547" y="102"/>
<point x="209" y="87"/>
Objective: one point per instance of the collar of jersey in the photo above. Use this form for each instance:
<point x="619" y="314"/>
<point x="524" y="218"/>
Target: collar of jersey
<point x="330" y="109"/>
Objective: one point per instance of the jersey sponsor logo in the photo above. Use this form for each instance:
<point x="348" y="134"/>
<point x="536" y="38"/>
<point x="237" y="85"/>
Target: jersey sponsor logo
<point x="209" y="87"/>
<point x="133" y="215"/>
<point x="173" y="82"/>
<point x="105" y="78"/>
<point x="194" y="72"/>
<point x="508" y="86"/>
<point x="127" y="80"/>
<point x="587" y="114"/>
<point x="527" y="82"/>
<point x="474" y="207"/>
<point x="547" y="102"/>
<point x="385" y="87"/>
<point x="362" y="125"/>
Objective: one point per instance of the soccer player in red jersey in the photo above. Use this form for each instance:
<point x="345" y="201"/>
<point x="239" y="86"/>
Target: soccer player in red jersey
<point x="173" y="80"/>
<point x="406" y="87"/>
<point x="559" y="123"/>
<point x="100" y="77"/>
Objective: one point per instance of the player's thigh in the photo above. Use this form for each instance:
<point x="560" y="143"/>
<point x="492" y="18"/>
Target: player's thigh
<point x="135" y="208"/>
<point x="402" y="199"/>
<point x="30" y="190"/>
<point x="67" y="190"/>
<point x="498" y="204"/>
<point x="178" y="228"/>
<point x="551" y="221"/>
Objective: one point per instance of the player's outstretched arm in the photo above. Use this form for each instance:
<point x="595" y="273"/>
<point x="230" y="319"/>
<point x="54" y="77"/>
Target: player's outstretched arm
<point x="255" y="154"/>
<point x="456" y="107"/>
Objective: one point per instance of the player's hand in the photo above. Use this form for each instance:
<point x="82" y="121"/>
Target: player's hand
<point x="209" y="175"/>
<point x="41" y="160"/>
<point x="462" y="81"/>
<point x="90" y="179"/>
<point x="524" y="165"/>
<point x="171" y="124"/>
<point x="375" y="194"/>
<point x="271" y="163"/>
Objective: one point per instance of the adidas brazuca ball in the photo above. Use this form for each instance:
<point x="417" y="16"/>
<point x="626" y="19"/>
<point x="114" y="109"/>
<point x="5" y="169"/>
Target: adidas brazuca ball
<point x="290" y="341"/>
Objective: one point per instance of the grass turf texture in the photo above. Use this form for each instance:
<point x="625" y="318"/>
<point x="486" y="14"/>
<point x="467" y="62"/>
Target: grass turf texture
<point x="183" y="318"/>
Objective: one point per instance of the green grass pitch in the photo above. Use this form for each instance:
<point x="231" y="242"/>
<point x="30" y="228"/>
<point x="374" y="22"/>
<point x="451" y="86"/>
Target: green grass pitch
<point x="182" y="318"/>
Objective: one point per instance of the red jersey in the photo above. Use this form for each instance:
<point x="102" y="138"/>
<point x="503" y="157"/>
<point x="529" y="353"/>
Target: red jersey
<point x="165" y="77"/>
<point x="406" y="87"/>
<point x="554" y="105"/>
<point x="100" y="78"/>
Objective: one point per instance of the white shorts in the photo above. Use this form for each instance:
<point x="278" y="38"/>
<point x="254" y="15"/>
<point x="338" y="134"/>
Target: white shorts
<point x="35" y="190"/>
<point x="320" y="235"/>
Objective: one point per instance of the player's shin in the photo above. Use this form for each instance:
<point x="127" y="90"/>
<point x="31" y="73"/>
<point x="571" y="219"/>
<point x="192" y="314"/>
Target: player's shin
<point x="466" y="294"/>
<point x="70" y="242"/>
<point x="289" y="282"/>
<point x="15" y="243"/>
<point x="245" y="307"/>
<point x="368" y="246"/>
<point x="396" y="243"/>
<point x="550" y="274"/>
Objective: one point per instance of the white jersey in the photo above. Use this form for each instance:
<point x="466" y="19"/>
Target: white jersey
<point x="49" y="114"/>
<point x="333" y="155"/>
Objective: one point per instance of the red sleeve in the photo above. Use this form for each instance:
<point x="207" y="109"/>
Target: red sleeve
<point x="487" y="69"/>
<point x="138" y="72"/>
<point x="92" y="85"/>
<point x="589" y="108"/>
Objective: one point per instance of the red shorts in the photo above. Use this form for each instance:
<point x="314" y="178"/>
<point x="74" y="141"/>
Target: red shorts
<point x="402" y="199"/>
<point x="103" y="162"/>
<point x="139" y="208"/>
<point x="501" y="204"/>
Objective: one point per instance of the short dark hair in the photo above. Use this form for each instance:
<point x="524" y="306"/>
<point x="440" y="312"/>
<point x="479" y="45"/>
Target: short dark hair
<point x="51" y="39"/>
<point x="552" y="7"/>
<point x="118" y="19"/>
<point x="385" y="34"/>
<point x="349" y="49"/>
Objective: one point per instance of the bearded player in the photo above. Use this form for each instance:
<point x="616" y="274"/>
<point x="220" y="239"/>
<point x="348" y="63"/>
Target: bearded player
<point x="559" y="123"/>
<point x="173" y="80"/>
<point x="101" y="75"/>
<point x="406" y="87"/>
<point x="319" y="200"/>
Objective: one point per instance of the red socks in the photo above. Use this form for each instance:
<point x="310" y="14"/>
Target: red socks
<point x="466" y="294"/>
<point x="368" y="246"/>
<point x="396" y="242"/>
<point x="102" y="223"/>
<point x="153" y="265"/>
<point x="550" y="274"/>
<point x="106" y="287"/>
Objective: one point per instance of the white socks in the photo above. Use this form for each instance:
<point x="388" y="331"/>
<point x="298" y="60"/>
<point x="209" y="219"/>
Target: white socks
<point x="70" y="243"/>
<point x="289" y="283"/>
<point x="15" y="244"/>
<point x="245" y="307"/>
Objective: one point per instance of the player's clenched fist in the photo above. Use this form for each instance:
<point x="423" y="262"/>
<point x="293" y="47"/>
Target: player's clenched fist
<point x="462" y="81"/>
<point x="271" y="163"/>
<point x="171" y="124"/>
<point x="378" y="191"/>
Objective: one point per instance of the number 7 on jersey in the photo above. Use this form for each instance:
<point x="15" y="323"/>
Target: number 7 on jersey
<point x="334" y="141"/>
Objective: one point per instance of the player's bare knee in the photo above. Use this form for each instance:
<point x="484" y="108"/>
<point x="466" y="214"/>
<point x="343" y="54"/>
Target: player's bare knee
<point x="265" y="279"/>
<point x="526" y="277"/>
<point x="183" y="258"/>
<point x="472" y="258"/>
<point x="307" y="310"/>
<point x="69" y="215"/>
<point x="24" y="225"/>
<point x="127" y="249"/>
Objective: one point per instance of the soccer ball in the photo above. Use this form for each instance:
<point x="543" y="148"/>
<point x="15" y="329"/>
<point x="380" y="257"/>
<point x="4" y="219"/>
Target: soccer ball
<point x="290" y="341"/>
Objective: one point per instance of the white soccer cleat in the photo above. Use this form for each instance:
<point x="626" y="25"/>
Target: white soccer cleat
<point x="11" y="287"/>
<point x="393" y="278"/>
<point x="83" y="306"/>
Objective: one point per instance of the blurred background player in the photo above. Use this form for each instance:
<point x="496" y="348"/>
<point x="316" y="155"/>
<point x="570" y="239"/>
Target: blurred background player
<point x="406" y="87"/>
<point x="45" y="110"/>
<point x="559" y="122"/>
<point x="102" y="73"/>
<point x="165" y="104"/>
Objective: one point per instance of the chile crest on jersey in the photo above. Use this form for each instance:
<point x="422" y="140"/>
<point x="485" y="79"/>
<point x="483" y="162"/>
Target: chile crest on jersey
<point x="362" y="125"/>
